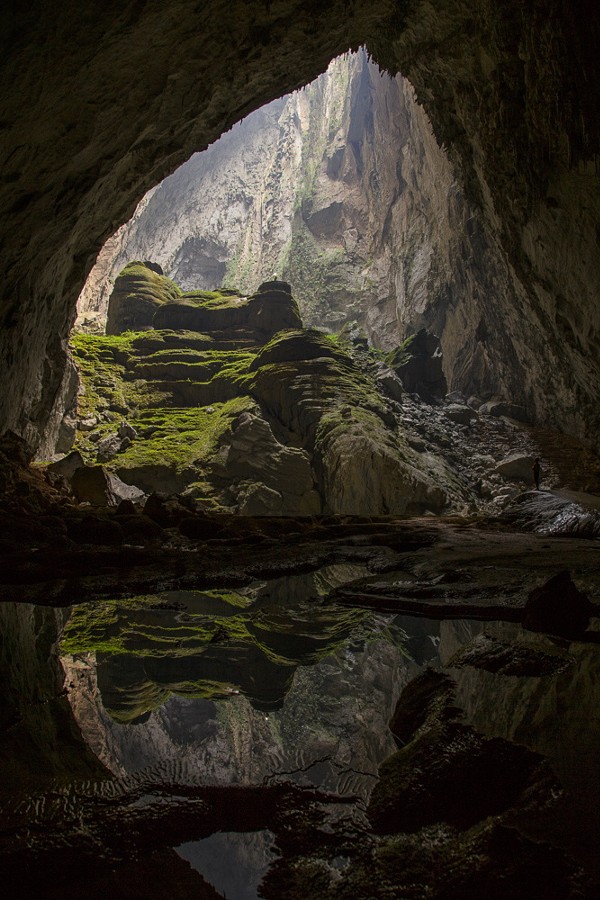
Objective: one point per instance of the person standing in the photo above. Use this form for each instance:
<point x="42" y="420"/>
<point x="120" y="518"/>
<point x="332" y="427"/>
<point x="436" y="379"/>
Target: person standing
<point x="536" y="469"/>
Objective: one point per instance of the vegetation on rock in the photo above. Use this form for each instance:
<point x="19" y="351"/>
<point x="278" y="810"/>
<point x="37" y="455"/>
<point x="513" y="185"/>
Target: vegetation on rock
<point x="238" y="405"/>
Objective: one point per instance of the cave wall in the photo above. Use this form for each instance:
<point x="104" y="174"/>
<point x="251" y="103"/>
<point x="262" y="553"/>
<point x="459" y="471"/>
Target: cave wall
<point x="102" y="105"/>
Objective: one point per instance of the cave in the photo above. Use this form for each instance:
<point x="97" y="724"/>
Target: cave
<point x="355" y="653"/>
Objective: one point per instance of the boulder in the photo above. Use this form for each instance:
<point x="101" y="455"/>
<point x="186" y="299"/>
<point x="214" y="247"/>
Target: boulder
<point x="126" y="508"/>
<point x="165" y="511"/>
<point x="363" y="472"/>
<point x="109" y="447"/>
<point x="390" y="384"/>
<point x="497" y="408"/>
<point x="126" y="430"/>
<point x="558" y="607"/>
<point x="258" y="500"/>
<point x="139" y="527"/>
<point x="93" y="484"/>
<point x="67" y="466"/>
<point x="267" y="478"/>
<point x="548" y="513"/>
<point x="516" y="467"/>
<point x="460" y="413"/>
<point x="455" y="397"/>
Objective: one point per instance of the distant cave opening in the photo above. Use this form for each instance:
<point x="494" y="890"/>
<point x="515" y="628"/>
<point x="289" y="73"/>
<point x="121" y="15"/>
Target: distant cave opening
<point x="339" y="189"/>
<point x="276" y="305"/>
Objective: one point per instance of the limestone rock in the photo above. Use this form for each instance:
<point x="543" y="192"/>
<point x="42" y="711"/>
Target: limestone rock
<point x="498" y="408"/>
<point x="67" y="465"/>
<point x="125" y="430"/>
<point x="363" y="473"/>
<point x="267" y="477"/>
<point x="138" y="292"/>
<point x="549" y="513"/>
<point x="109" y="447"/>
<point x="460" y="413"/>
<point x="390" y="384"/>
<point x="93" y="484"/>
<point x="419" y="365"/>
<point x="516" y="467"/>
<point x="257" y="317"/>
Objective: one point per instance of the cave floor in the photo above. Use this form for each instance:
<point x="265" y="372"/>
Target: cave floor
<point x="354" y="705"/>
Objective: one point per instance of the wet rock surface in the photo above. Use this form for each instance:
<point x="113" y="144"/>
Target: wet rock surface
<point x="178" y="694"/>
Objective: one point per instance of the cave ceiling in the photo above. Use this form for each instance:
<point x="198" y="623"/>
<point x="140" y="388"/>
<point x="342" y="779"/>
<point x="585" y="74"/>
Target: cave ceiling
<point x="98" y="105"/>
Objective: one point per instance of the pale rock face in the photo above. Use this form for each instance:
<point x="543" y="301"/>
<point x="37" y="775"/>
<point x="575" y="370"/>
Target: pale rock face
<point x="268" y="477"/>
<point x="343" y="190"/>
<point x="364" y="477"/>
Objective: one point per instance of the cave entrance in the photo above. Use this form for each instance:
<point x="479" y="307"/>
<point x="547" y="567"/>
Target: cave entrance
<point x="338" y="189"/>
<point x="271" y="312"/>
<point x="312" y="214"/>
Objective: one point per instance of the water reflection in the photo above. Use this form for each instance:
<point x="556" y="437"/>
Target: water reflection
<point x="255" y="687"/>
<point x="234" y="864"/>
<point x="241" y="687"/>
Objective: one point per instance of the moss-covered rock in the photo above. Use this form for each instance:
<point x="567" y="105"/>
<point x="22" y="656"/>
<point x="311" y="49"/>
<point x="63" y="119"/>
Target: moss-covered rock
<point x="229" y="399"/>
<point x="138" y="292"/>
<point x="256" y="318"/>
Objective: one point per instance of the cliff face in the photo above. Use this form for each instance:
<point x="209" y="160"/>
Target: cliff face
<point x="343" y="190"/>
<point x="340" y="188"/>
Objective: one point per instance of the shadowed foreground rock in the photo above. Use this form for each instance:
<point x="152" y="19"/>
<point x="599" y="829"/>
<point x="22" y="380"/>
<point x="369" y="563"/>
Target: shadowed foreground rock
<point x="558" y="607"/>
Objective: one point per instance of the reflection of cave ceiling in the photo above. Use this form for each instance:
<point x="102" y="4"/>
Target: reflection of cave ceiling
<point x="101" y="106"/>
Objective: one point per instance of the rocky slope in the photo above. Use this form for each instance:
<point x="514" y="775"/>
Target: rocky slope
<point x="229" y="399"/>
<point x="230" y="402"/>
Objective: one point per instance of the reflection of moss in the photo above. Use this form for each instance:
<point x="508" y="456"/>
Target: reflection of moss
<point x="146" y="626"/>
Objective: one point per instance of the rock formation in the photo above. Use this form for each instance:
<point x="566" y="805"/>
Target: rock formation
<point x="343" y="190"/>
<point x="229" y="399"/>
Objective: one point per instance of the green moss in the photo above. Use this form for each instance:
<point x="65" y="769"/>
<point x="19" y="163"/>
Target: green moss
<point x="179" y="438"/>
<point x="399" y="356"/>
<point x="211" y="299"/>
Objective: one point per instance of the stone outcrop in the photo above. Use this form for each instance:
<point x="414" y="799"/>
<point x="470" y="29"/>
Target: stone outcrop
<point x="418" y="363"/>
<point x="138" y="293"/>
<point x="228" y="399"/>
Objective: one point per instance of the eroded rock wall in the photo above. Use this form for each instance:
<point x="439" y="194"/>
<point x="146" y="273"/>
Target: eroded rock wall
<point x="117" y="99"/>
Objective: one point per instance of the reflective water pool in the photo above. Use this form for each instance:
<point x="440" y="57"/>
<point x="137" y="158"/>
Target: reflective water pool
<point x="126" y="726"/>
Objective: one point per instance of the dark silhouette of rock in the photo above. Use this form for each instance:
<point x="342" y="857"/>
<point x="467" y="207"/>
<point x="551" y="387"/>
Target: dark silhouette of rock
<point x="419" y="364"/>
<point x="68" y="465"/>
<point x="126" y="508"/>
<point x="199" y="527"/>
<point x="497" y="408"/>
<point x="558" y="607"/>
<point x="96" y="530"/>
<point x="93" y="484"/>
<point x="139" y="527"/>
